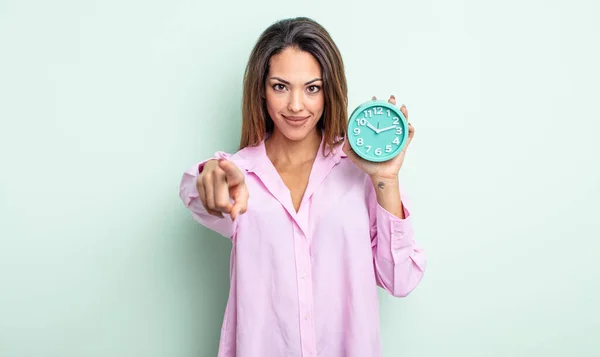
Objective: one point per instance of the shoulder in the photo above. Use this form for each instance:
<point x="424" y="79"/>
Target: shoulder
<point x="244" y="158"/>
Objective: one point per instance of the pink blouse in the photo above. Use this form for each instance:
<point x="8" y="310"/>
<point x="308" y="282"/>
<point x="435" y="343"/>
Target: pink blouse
<point x="305" y="283"/>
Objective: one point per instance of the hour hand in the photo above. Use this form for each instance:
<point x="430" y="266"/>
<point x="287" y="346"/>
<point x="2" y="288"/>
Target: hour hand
<point x="372" y="127"/>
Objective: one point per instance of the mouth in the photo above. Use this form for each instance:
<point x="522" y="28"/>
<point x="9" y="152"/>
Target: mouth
<point x="295" y="120"/>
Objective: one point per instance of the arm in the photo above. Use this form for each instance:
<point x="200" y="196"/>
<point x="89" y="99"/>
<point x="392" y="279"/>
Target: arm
<point x="398" y="260"/>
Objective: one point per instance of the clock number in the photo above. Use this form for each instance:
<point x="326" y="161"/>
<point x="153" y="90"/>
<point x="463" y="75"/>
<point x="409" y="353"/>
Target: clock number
<point x="396" y="120"/>
<point x="378" y="151"/>
<point x="359" y="141"/>
<point x="356" y="131"/>
<point x="361" y="121"/>
<point x="370" y="112"/>
<point x="368" y="147"/>
<point x="388" y="148"/>
<point x="396" y="141"/>
<point x="379" y="110"/>
<point x="389" y="112"/>
<point x="398" y="131"/>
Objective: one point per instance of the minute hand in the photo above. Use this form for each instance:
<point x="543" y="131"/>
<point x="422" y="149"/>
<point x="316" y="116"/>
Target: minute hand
<point x="387" y="128"/>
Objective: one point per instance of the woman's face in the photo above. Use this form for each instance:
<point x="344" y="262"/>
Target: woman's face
<point x="294" y="93"/>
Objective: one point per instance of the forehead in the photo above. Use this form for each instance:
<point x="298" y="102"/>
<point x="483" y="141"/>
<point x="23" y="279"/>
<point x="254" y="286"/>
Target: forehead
<point x="293" y="64"/>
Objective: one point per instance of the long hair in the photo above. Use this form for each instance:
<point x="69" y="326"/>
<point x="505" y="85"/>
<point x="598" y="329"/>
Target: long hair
<point x="309" y="36"/>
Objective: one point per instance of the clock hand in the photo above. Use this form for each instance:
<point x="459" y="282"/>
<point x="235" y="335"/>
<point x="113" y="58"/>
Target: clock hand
<point x="373" y="128"/>
<point x="387" y="128"/>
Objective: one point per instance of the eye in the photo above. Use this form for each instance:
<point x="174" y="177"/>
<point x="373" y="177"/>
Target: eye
<point x="314" y="89"/>
<point x="278" y="87"/>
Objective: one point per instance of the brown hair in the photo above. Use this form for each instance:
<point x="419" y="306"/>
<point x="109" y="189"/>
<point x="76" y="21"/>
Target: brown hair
<point x="307" y="35"/>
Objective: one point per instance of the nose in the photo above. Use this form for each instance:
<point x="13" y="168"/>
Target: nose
<point x="295" y="103"/>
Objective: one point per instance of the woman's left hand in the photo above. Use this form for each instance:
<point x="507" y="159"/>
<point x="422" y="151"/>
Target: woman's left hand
<point x="387" y="169"/>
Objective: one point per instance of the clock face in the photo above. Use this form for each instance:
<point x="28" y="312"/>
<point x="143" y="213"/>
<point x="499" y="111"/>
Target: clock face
<point x="377" y="131"/>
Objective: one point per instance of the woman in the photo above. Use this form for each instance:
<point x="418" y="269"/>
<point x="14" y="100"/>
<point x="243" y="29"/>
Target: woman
<point x="315" y="229"/>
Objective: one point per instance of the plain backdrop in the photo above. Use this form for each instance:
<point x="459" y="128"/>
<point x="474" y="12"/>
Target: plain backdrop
<point x="104" y="104"/>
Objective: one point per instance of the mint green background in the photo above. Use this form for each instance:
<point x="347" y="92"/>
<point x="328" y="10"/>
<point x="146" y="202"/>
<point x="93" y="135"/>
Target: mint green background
<point x="103" y="104"/>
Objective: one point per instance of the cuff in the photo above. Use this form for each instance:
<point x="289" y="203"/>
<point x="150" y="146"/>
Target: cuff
<point x="394" y="235"/>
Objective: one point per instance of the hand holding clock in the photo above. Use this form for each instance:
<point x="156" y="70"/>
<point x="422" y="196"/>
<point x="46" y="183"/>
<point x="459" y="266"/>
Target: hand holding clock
<point x="380" y="151"/>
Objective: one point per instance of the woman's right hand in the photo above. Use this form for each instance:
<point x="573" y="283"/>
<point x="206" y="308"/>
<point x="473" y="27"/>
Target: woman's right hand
<point x="222" y="188"/>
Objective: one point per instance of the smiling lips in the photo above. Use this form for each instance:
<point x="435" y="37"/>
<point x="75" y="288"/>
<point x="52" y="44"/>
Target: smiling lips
<point x="295" y="120"/>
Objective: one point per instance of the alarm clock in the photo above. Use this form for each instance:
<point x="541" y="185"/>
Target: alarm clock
<point x="377" y="131"/>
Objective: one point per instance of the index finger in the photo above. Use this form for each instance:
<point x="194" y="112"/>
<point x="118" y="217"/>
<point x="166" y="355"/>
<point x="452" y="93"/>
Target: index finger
<point x="234" y="175"/>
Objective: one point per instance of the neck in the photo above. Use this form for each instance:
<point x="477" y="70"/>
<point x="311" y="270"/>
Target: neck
<point x="282" y="150"/>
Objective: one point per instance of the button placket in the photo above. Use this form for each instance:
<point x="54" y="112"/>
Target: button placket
<point x="303" y="266"/>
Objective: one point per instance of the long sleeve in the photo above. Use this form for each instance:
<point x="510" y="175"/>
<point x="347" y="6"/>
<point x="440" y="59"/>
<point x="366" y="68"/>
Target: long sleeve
<point x="398" y="260"/>
<point x="188" y="192"/>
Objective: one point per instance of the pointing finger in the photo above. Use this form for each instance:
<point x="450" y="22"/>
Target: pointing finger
<point x="234" y="175"/>
<point x="222" y="200"/>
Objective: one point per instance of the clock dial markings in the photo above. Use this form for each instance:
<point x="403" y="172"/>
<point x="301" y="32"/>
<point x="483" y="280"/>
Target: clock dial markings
<point x="385" y="134"/>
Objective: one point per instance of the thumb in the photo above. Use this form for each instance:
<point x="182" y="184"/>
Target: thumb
<point x="234" y="175"/>
<point x="241" y="204"/>
<point x="349" y="151"/>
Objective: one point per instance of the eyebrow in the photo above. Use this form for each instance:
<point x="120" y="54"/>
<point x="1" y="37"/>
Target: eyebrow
<point x="286" y="82"/>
